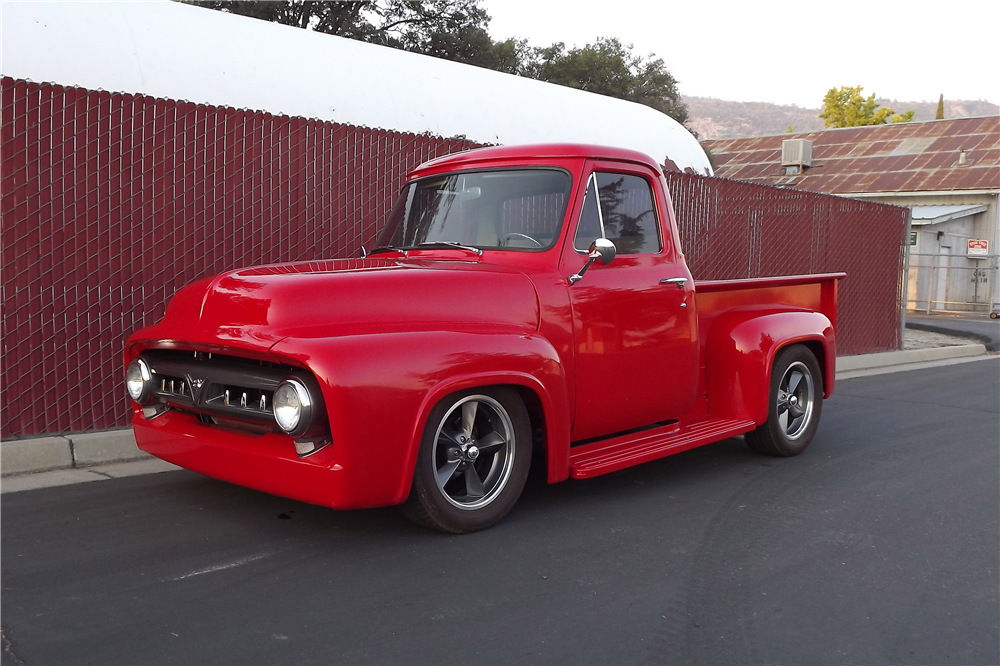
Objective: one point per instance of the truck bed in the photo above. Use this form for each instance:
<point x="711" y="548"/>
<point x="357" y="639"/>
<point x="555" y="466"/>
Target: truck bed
<point x="816" y="292"/>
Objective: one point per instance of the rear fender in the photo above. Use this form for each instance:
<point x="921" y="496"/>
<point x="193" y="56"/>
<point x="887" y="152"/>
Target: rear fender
<point x="380" y="389"/>
<point x="740" y="351"/>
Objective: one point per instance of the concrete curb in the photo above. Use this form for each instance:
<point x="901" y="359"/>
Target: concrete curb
<point x="906" y="357"/>
<point x="91" y="450"/>
<point x="66" y="477"/>
<point x="41" y="454"/>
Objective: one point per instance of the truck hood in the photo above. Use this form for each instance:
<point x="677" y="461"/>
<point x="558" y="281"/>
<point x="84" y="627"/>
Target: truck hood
<point x="257" y="307"/>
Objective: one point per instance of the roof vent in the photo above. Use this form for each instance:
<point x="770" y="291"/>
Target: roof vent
<point x="796" y="152"/>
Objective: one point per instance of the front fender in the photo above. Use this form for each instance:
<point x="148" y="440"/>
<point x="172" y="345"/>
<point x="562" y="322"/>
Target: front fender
<point x="740" y="351"/>
<point x="379" y="390"/>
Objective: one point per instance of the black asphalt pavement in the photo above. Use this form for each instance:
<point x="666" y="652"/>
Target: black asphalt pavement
<point x="879" y="545"/>
<point x="983" y="329"/>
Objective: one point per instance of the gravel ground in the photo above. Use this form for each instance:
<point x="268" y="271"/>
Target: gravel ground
<point x="915" y="339"/>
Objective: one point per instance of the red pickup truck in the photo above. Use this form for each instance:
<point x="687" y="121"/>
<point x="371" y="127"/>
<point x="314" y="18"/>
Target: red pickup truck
<point x="526" y="305"/>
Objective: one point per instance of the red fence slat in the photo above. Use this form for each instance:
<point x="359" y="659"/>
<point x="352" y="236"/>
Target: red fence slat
<point x="111" y="203"/>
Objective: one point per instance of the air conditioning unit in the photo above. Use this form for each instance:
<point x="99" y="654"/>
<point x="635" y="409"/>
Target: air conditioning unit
<point x="796" y="152"/>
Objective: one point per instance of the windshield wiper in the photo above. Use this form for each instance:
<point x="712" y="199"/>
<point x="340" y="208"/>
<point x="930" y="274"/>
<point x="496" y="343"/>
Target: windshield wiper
<point x="386" y="248"/>
<point x="450" y="245"/>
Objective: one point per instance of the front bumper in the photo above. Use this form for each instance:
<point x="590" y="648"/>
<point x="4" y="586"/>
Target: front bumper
<point x="266" y="462"/>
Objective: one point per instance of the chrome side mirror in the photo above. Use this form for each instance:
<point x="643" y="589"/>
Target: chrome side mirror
<point x="601" y="250"/>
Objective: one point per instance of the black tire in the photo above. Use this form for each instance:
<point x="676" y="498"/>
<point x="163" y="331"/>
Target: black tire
<point x="795" y="403"/>
<point x="470" y="471"/>
<point x="994" y="315"/>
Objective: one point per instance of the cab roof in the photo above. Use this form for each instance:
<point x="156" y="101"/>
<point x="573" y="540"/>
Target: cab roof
<point x="534" y="152"/>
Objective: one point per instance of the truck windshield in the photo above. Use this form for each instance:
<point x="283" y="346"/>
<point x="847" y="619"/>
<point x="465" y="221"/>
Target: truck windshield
<point x="510" y="209"/>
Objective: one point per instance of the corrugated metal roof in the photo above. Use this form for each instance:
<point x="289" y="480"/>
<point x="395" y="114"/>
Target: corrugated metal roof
<point x="937" y="214"/>
<point x="905" y="157"/>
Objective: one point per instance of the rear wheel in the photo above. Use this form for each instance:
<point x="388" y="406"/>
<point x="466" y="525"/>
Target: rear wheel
<point x="473" y="461"/>
<point x="795" y="404"/>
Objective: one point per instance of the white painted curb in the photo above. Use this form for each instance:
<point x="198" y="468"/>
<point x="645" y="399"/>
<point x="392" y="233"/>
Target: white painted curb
<point x="35" y="455"/>
<point x="39" y="454"/>
<point x="905" y="357"/>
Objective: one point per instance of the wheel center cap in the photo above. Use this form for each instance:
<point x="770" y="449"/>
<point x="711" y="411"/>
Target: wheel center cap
<point x="472" y="452"/>
<point x="793" y="401"/>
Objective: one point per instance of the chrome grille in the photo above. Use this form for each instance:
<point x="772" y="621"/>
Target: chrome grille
<point x="215" y="385"/>
<point x="173" y="386"/>
<point x="231" y="396"/>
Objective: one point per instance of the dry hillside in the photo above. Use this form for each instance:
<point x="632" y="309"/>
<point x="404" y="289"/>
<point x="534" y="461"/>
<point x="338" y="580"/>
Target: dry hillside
<point x="720" y="119"/>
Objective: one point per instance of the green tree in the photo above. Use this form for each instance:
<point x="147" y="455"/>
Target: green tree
<point x="846" y="107"/>
<point x="940" y="110"/>
<point x="450" y="29"/>
<point x="457" y="30"/>
<point x="608" y="67"/>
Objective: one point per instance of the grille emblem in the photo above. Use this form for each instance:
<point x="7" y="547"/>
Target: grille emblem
<point x="196" y="386"/>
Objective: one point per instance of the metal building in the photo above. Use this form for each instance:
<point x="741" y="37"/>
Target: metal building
<point x="946" y="171"/>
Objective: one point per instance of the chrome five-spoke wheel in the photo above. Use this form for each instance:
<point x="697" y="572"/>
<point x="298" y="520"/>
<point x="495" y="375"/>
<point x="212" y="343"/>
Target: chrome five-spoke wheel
<point x="473" y="460"/>
<point x="474" y="452"/>
<point x="794" y="404"/>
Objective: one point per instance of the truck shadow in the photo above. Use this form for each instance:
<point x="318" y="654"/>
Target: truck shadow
<point x="271" y="516"/>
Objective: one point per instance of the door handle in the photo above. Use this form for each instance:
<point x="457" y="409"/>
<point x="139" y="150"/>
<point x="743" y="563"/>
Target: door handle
<point x="679" y="281"/>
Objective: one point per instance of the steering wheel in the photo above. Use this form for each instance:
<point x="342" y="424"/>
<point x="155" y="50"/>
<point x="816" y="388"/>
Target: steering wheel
<point x="514" y="234"/>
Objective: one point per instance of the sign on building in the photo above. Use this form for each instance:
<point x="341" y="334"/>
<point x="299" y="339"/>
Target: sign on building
<point x="978" y="248"/>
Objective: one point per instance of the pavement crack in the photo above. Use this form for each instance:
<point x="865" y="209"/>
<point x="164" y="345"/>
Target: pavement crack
<point x="98" y="473"/>
<point x="8" y="648"/>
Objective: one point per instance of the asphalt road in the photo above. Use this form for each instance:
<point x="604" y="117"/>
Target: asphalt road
<point x="981" y="328"/>
<point x="880" y="544"/>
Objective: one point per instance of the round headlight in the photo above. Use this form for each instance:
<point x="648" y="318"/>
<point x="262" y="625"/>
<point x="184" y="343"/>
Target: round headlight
<point x="137" y="378"/>
<point x="292" y="406"/>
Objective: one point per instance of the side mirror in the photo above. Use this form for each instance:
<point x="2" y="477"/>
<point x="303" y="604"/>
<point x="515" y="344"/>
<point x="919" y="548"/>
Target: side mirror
<point x="601" y="250"/>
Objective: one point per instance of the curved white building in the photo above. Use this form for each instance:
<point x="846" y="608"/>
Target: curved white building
<point x="181" y="52"/>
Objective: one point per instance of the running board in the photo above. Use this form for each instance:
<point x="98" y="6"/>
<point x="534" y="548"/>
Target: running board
<point x="611" y="455"/>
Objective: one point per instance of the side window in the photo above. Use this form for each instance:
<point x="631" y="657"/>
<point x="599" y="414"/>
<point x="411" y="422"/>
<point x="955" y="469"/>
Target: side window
<point x="626" y="214"/>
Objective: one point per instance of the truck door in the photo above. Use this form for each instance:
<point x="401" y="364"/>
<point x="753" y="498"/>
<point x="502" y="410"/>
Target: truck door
<point x="634" y="324"/>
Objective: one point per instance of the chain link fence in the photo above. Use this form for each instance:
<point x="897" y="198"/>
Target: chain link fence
<point x="112" y="202"/>
<point x="951" y="283"/>
<point x="733" y="229"/>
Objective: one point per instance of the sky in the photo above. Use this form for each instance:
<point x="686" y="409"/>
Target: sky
<point x="785" y="52"/>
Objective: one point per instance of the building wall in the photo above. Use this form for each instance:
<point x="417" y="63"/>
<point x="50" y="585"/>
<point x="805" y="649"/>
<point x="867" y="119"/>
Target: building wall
<point x="958" y="283"/>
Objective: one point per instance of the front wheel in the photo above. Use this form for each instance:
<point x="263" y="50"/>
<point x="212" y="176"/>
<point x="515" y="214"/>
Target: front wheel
<point x="795" y="404"/>
<point x="473" y="461"/>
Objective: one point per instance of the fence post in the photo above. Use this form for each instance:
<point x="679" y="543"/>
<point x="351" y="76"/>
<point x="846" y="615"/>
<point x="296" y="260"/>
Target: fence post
<point x="932" y="285"/>
<point x="906" y="276"/>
